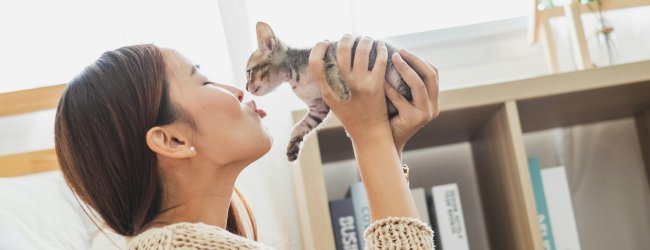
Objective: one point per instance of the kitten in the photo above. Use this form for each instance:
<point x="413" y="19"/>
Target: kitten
<point x="274" y="63"/>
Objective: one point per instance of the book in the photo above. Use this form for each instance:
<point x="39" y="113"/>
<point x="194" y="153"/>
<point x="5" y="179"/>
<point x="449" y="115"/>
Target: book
<point x="449" y="217"/>
<point x="344" y="225"/>
<point x="420" y="198"/>
<point x="560" y="208"/>
<point x="361" y="210"/>
<point x="545" y="226"/>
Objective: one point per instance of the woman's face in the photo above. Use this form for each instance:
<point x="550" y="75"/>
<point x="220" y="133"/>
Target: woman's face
<point x="226" y="130"/>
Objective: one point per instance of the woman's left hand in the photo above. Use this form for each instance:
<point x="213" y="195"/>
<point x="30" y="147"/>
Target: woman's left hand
<point x="413" y="116"/>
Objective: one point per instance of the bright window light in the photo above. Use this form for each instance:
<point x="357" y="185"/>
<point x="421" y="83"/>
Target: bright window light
<point x="48" y="42"/>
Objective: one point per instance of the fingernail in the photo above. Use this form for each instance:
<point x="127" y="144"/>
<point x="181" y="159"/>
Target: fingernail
<point x="398" y="57"/>
<point x="381" y="44"/>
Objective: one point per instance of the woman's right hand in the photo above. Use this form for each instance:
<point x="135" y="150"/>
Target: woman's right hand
<point x="365" y="119"/>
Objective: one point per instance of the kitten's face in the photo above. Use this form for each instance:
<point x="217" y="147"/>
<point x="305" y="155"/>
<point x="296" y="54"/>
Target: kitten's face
<point x="261" y="69"/>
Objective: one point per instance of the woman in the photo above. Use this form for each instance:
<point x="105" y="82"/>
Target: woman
<point x="155" y="148"/>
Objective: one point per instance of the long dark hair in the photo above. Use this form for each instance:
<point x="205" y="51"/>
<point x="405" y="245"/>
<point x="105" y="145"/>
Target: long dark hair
<point x="101" y="123"/>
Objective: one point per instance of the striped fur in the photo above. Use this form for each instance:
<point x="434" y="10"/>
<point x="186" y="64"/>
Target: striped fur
<point x="274" y="63"/>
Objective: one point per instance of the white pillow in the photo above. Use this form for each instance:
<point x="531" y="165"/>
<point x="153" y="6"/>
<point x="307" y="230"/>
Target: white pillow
<point x="40" y="212"/>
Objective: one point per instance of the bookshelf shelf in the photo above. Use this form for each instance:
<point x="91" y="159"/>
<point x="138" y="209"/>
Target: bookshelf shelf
<point x="493" y="119"/>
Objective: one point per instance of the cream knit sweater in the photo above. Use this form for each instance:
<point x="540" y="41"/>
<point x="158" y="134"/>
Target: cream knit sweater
<point x="388" y="233"/>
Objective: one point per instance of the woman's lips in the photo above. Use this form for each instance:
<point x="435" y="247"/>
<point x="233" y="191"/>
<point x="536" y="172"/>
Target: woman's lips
<point x="261" y="113"/>
<point x="253" y="106"/>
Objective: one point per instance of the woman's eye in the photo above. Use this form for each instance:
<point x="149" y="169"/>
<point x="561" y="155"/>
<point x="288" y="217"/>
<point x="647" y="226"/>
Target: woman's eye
<point x="206" y="83"/>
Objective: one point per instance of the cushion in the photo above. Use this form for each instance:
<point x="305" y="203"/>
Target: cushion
<point x="39" y="211"/>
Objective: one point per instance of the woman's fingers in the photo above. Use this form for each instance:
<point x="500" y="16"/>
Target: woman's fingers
<point x="418" y="89"/>
<point x="379" y="69"/>
<point x="434" y="91"/>
<point x="428" y="72"/>
<point x="317" y="68"/>
<point x="396" y="98"/>
<point x="344" y="54"/>
<point x="360" y="64"/>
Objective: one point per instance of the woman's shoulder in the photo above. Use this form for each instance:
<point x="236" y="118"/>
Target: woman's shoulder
<point x="191" y="235"/>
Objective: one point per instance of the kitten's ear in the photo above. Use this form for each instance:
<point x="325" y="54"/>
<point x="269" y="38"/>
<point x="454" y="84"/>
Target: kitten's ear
<point x="265" y="37"/>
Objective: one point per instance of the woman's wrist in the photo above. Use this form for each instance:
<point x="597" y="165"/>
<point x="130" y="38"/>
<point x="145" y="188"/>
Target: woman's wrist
<point x="370" y="135"/>
<point x="399" y="150"/>
<point x="383" y="176"/>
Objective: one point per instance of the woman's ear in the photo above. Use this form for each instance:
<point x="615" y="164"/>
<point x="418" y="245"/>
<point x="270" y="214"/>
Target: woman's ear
<point x="169" y="142"/>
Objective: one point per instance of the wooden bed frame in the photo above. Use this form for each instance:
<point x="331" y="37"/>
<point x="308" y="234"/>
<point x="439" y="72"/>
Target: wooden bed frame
<point x="22" y="102"/>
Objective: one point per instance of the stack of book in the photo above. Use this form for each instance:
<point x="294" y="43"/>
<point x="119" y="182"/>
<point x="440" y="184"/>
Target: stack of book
<point x="441" y="209"/>
<point x="554" y="207"/>
<point x="351" y="216"/>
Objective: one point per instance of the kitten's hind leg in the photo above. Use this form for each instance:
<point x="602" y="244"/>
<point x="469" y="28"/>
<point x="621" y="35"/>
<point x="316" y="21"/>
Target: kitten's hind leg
<point x="339" y="90"/>
<point x="317" y="113"/>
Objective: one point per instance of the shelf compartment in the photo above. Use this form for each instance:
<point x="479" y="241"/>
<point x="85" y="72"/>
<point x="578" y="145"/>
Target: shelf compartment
<point x="583" y="107"/>
<point x="451" y="126"/>
<point x="498" y="153"/>
<point x="505" y="186"/>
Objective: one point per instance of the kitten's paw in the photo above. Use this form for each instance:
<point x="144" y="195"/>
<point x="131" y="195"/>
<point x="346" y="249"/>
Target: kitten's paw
<point x="294" y="148"/>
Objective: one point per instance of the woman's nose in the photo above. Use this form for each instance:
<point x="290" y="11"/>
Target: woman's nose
<point x="240" y="94"/>
<point x="235" y="91"/>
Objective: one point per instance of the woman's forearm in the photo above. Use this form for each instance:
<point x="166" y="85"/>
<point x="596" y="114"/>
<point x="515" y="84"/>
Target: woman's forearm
<point x="381" y="173"/>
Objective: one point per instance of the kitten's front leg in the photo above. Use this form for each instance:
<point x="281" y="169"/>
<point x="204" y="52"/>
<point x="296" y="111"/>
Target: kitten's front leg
<point x="317" y="113"/>
<point x="339" y="90"/>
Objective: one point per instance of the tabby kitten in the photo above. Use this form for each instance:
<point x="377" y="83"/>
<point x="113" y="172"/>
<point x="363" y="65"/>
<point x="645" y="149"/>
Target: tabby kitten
<point x="274" y="63"/>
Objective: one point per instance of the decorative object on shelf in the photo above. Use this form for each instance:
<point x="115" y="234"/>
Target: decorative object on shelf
<point x="607" y="51"/>
<point x="544" y="10"/>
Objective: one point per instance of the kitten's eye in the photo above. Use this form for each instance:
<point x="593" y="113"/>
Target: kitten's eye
<point x="249" y="74"/>
<point x="206" y="83"/>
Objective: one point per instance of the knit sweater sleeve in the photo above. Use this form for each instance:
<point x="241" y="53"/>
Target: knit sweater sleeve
<point x="398" y="233"/>
<point x="196" y="236"/>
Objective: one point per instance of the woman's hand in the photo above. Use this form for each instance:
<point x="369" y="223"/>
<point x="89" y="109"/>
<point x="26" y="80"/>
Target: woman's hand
<point x="364" y="115"/>
<point x="365" y="118"/>
<point x="413" y="116"/>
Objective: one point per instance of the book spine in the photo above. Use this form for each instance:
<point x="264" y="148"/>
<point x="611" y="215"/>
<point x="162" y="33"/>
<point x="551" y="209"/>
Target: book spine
<point x="420" y="198"/>
<point x="361" y="210"/>
<point x="449" y="217"/>
<point x="560" y="208"/>
<point x="344" y="225"/>
<point x="540" y="203"/>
